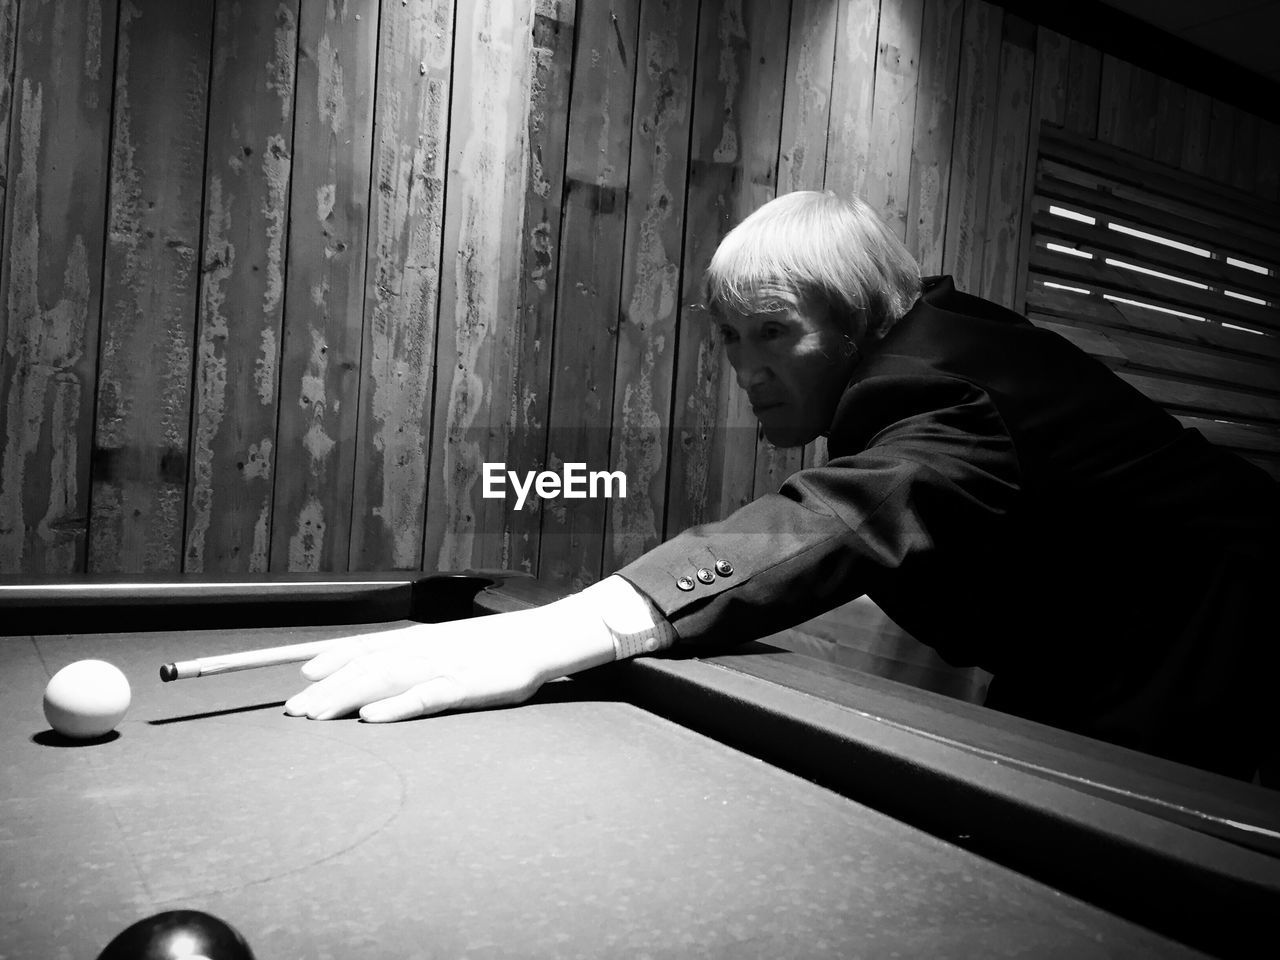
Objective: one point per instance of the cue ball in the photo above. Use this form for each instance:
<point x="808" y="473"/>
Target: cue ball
<point x="178" y="935"/>
<point x="86" y="699"/>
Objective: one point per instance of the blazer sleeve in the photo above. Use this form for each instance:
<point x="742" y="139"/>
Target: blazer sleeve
<point x="934" y="465"/>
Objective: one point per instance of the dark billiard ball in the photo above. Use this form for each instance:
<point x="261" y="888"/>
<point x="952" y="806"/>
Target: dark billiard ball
<point x="178" y="935"/>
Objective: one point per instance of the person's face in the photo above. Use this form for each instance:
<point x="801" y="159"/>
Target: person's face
<point x="793" y="360"/>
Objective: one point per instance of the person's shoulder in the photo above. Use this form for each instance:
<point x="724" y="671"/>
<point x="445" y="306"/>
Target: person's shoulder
<point x="940" y="295"/>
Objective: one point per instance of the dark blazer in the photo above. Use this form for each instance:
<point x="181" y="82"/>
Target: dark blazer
<point x="1009" y="501"/>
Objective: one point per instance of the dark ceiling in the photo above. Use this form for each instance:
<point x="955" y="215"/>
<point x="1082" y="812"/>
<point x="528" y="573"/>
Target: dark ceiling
<point x="1244" y="32"/>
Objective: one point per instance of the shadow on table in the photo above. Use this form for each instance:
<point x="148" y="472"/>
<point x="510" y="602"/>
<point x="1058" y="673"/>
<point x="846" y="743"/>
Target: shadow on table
<point x="229" y="711"/>
<point x="51" y="738"/>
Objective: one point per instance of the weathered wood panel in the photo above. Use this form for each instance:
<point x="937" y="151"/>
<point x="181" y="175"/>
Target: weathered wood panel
<point x="971" y="154"/>
<point x="479" y="291"/>
<point x="324" y="285"/>
<point x="651" y="276"/>
<point x="1085" y="78"/>
<point x="1195" y="132"/>
<point x="553" y="39"/>
<point x="1048" y="105"/>
<point x="421" y="319"/>
<point x="1267" y="182"/>
<point x="932" y="139"/>
<point x="772" y="464"/>
<point x="1244" y="152"/>
<point x="852" y="96"/>
<point x="1183" y="324"/>
<point x="802" y="162"/>
<point x="51" y="280"/>
<point x="893" y="112"/>
<point x="8" y="35"/>
<point x="1181" y="332"/>
<point x="1114" y="92"/>
<point x="1220" y="151"/>
<point x="1171" y="104"/>
<point x="736" y="132"/>
<point x="402" y="288"/>
<point x="247" y="168"/>
<point x="151" y="283"/>
<point x="1143" y="113"/>
<point x="1135" y="351"/>
<point x="806" y="109"/>
<point x="848" y="153"/>
<point x="591" y="247"/>
<point x="1099" y="240"/>
<point x="1003" y="233"/>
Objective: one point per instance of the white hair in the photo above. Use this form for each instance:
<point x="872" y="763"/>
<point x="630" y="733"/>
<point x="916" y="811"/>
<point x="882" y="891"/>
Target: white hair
<point x="824" y="248"/>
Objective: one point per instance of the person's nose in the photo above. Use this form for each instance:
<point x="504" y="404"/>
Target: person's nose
<point x="751" y="368"/>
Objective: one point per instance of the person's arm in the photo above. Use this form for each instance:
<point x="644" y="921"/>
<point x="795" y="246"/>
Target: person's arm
<point x="933" y="473"/>
<point x="940" y="468"/>
<point x="479" y="662"/>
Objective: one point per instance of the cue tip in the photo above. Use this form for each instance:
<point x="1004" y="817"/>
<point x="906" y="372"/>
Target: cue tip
<point x="169" y="671"/>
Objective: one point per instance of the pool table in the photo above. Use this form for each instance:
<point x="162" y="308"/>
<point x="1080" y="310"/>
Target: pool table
<point x="748" y="802"/>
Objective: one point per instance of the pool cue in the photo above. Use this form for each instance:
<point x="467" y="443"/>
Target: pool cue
<point x="246" y="660"/>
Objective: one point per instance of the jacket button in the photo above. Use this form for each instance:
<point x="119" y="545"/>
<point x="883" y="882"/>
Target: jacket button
<point x="724" y="568"/>
<point x="706" y="576"/>
<point x="685" y="583"/>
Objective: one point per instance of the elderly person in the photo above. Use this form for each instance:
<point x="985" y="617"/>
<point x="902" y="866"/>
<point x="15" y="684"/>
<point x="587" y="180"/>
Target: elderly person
<point x="1002" y="496"/>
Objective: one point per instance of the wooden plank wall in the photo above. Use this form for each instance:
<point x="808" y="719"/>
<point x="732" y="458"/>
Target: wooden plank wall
<point x="1196" y="326"/>
<point x="279" y="277"/>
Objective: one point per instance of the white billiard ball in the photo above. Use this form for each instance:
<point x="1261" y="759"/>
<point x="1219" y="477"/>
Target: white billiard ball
<point x="86" y="699"/>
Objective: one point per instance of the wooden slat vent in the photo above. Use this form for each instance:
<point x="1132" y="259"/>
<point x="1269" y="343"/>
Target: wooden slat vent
<point x="1171" y="280"/>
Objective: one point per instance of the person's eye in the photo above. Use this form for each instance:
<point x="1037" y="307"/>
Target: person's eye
<point x="729" y="335"/>
<point x="772" y="331"/>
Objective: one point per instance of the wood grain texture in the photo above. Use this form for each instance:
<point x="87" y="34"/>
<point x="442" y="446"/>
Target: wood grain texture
<point x="1113" y="102"/>
<point x="1163" y="189"/>
<point x="893" y="112"/>
<point x="1195" y="132"/>
<point x="1219" y="153"/>
<point x="651" y="277"/>
<point x="402" y="286"/>
<point x="151" y="282"/>
<point x="247" y="169"/>
<point x="1101" y="241"/>
<point x="589" y="301"/>
<point x="971" y="154"/>
<point x="1144" y="112"/>
<point x="1085" y="76"/>
<point x="1048" y="105"/>
<point x="479" y="291"/>
<point x="1179" y="332"/>
<point x="50" y="284"/>
<point x="1003" y="234"/>
<point x="806" y="108"/>
<point x="1267" y="181"/>
<point x="931" y="142"/>
<point x="736" y="132"/>
<point x="1224" y="373"/>
<point x="324" y="284"/>
<point x="401" y="228"/>
<point x="852" y="97"/>
<point x="1244" y="152"/>
<point x="1171" y="104"/>
<point x="773" y="464"/>
<point x="802" y="162"/>
<point x="8" y="36"/>
<point x="553" y="40"/>
<point x="1118" y="280"/>
<point x="1128" y="109"/>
